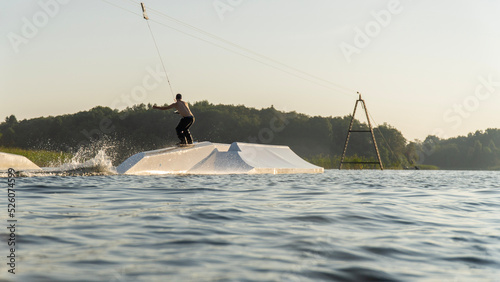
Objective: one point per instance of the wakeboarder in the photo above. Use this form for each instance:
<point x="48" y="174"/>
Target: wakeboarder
<point x="186" y="121"/>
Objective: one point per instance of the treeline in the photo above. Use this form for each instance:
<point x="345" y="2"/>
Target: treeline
<point x="479" y="150"/>
<point x="318" y="139"/>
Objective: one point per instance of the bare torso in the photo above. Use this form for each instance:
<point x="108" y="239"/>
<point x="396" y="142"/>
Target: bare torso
<point x="183" y="108"/>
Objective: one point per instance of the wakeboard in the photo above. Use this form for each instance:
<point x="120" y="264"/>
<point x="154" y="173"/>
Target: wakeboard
<point x="185" y="145"/>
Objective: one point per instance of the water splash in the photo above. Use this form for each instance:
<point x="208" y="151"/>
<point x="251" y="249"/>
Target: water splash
<point x="101" y="163"/>
<point x="95" y="158"/>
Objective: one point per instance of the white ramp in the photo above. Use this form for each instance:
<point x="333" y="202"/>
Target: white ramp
<point x="221" y="163"/>
<point x="254" y="159"/>
<point x="212" y="158"/>
<point x="168" y="160"/>
<point x="16" y="162"/>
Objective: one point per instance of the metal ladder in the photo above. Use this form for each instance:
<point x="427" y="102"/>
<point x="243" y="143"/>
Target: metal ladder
<point x="368" y="130"/>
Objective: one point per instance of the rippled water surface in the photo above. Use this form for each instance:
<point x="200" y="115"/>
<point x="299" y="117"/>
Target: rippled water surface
<point x="338" y="226"/>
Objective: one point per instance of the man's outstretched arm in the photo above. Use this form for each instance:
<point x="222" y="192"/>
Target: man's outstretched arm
<point x="164" y="108"/>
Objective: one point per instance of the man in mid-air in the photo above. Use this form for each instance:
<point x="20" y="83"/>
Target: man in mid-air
<point x="186" y="121"/>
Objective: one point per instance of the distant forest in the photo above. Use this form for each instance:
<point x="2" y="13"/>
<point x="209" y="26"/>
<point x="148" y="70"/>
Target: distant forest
<point x="318" y="139"/>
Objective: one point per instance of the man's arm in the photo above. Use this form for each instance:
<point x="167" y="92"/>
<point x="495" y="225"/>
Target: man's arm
<point x="164" y="108"/>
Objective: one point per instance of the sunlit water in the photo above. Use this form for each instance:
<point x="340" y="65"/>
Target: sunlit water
<point x="338" y="226"/>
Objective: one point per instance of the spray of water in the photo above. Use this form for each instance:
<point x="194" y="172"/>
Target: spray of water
<point x="95" y="158"/>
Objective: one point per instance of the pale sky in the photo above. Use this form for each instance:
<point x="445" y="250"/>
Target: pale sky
<point x="425" y="67"/>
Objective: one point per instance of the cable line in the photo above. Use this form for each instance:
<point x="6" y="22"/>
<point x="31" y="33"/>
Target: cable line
<point x="245" y="52"/>
<point x="251" y="51"/>
<point x="251" y="58"/>
<point x="309" y="77"/>
<point x="145" y="16"/>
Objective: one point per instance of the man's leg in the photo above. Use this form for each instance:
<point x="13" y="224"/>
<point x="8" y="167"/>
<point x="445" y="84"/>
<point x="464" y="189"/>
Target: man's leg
<point x="189" y="138"/>
<point x="180" y="131"/>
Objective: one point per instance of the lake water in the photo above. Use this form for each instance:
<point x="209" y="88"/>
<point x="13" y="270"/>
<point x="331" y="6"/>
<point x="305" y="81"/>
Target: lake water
<point x="337" y="226"/>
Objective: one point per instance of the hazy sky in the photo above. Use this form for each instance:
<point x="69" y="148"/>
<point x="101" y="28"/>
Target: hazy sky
<point x="425" y="67"/>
